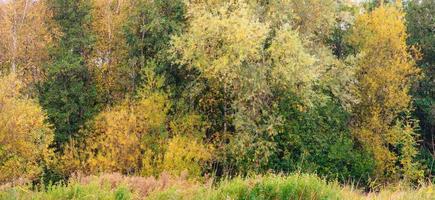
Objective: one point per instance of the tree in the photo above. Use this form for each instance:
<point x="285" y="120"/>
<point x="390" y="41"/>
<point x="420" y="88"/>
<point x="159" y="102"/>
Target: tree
<point x="319" y="140"/>
<point x="119" y="135"/>
<point x="244" y="68"/>
<point x="186" y="153"/>
<point x="25" y="136"/>
<point x="69" y="95"/>
<point x="148" y="30"/>
<point x="129" y="138"/>
<point x="108" y="60"/>
<point x="132" y="138"/>
<point x="314" y="18"/>
<point x="25" y="39"/>
<point x="384" y="74"/>
<point x="420" y="21"/>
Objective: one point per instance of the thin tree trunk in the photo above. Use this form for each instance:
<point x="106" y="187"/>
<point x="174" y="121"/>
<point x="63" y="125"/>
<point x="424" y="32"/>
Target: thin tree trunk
<point x="14" y="42"/>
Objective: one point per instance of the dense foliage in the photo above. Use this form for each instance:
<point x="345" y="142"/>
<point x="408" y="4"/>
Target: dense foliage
<point x="227" y="88"/>
<point x="419" y="17"/>
<point x="25" y="136"/>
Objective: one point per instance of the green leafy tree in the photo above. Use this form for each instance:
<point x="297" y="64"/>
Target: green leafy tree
<point x="319" y="140"/>
<point x="68" y="94"/>
<point x="420" y="17"/>
<point x="420" y="24"/>
<point x="247" y="69"/>
<point x="148" y="29"/>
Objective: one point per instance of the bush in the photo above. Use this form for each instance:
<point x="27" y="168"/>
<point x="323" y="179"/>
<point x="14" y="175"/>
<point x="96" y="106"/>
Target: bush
<point x="319" y="140"/>
<point x="313" y="139"/>
<point x="186" y="154"/>
<point x="24" y="134"/>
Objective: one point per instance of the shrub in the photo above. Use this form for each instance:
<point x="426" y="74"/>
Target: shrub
<point x="24" y="134"/>
<point x="185" y="153"/>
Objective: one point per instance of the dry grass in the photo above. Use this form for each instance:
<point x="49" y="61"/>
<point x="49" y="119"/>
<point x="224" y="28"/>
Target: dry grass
<point x="398" y="192"/>
<point x="140" y="186"/>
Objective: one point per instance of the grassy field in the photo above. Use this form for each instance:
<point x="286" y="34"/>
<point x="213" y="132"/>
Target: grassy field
<point x="297" y="186"/>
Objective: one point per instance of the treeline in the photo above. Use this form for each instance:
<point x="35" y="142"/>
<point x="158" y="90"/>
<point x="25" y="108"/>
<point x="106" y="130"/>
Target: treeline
<point x="332" y="87"/>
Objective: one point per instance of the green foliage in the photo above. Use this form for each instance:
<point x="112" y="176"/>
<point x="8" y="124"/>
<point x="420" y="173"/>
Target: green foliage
<point x="68" y="95"/>
<point x="268" y="187"/>
<point x="249" y="66"/>
<point x="229" y="88"/>
<point x="294" y="186"/>
<point x="419" y="17"/>
<point x="148" y="29"/>
<point x="72" y="191"/>
<point x="318" y="140"/>
<point x="313" y="139"/>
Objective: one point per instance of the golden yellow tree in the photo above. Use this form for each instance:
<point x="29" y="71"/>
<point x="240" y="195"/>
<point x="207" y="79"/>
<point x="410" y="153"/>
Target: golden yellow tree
<point x="132" y="138"/>
<point x="110" y="50"/>
<point x="185" y="153"/>
<point x="384" y="75"/>
<point x="24" y="134"/>
<point x="123" y="137"/>
<point x="24" y="38"/>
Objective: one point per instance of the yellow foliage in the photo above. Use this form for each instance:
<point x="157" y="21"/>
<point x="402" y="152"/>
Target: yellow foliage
<point x="131" y="138"/>
<point x="188" y="125"/>
<point x="121" y="135"/>
<point x="24" y="134"/>
<point x="220" y="39"/>
<point x="314" y="18"/>
<point x="185" y="153"/>
<point x="71" y="160"/>
<point x="384" y="75"/>
<point x="110" y="48"/>
<point x="293" y="67"/>
<point x="25" y="38"/>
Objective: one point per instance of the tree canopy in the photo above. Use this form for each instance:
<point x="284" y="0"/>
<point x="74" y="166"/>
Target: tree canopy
<point x="228" y="88"/>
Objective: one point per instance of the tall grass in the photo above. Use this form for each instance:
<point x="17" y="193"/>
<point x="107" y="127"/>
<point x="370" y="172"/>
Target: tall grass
<point x="293" y="187"/>
<point x="273" y="187"/>
<point x="260" y="187"/>
<point x="72" y="191"/>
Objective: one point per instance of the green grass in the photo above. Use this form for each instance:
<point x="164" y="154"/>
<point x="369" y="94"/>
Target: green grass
<point x="273" y="187"/>
<point x="268" y="187"/>
<point x="77" y="191"/>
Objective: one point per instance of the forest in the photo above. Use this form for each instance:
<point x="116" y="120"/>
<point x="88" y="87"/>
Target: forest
<point x="217" y="99"/>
